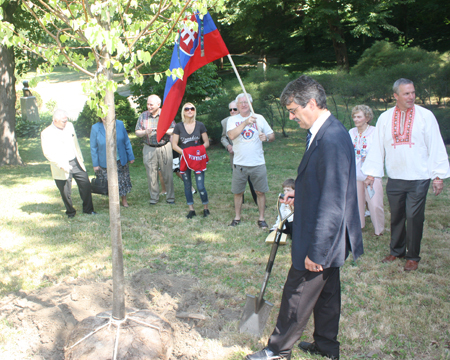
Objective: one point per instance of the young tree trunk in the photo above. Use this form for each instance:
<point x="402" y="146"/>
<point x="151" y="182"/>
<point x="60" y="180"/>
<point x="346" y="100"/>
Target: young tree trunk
<point x="118" y="311"/>
<point x="9" y="151"/>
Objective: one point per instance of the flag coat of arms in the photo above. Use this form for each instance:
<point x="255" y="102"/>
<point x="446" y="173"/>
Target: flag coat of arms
<point x="193" y="49"/>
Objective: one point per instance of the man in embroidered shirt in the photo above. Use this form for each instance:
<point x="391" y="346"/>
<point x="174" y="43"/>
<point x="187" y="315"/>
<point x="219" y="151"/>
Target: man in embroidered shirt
<point x="248" y="131"/>
<point x="407" y="139"/>
<point x="157" y="155"/>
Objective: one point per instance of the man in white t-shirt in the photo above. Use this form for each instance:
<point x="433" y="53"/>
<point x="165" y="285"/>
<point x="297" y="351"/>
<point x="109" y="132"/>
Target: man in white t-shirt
<point x="248" y="132"/>
<point x="408" y="141"/>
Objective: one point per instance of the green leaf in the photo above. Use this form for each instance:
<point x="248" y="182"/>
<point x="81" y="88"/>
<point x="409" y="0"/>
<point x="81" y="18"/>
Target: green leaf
<point x="63" y="38"/>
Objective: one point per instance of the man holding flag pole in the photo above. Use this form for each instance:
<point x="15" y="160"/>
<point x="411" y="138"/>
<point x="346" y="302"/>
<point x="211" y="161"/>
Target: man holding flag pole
<point x="193" y="49"/>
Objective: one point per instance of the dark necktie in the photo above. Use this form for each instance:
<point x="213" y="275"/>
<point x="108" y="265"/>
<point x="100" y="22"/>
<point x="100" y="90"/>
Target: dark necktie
<point x="308" y="139"/>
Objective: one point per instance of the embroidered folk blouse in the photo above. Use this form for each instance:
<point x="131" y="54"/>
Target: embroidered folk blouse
<point x="361" y="143"/>
<point x="416" y="153"/>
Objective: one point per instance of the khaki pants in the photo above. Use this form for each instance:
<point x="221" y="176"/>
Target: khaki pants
<point x="159" y="159"/>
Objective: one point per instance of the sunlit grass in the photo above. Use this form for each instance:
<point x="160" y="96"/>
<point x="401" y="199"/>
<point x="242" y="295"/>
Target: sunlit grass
<point x="386" y="313"/>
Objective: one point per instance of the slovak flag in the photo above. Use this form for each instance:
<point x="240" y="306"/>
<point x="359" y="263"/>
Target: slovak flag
<point x="193" y="49"/>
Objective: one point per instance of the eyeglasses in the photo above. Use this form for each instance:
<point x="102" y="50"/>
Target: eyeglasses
<point x="189" y="108"/>
<point x="233" y="109"/>
<point x="292" y="111"/>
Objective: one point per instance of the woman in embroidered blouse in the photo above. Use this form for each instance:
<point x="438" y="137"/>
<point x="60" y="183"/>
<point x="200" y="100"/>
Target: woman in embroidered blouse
<point x="191" y="133"/>
<point x="362" y="137"/>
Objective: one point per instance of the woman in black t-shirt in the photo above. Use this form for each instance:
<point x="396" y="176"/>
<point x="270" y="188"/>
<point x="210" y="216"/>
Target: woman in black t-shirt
<point x="187" y="134"/>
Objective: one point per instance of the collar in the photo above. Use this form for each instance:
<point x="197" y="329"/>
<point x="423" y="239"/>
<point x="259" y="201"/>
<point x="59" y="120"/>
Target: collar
<point x="318" y="124"/>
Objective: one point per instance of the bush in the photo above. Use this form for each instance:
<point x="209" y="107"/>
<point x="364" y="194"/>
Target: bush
<point x="125" y="112"/>
<point x="201" y="85"/>
<point x="32" y="129"/>
<point x="88" y="117"/>
<point x="443" y="118"/>
<point x="218" y="112"/>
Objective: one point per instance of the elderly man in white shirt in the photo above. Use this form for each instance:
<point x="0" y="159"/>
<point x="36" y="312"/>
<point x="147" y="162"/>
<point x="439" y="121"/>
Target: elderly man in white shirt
<point x="60" y="146"/>
<point x="408" y="141"/>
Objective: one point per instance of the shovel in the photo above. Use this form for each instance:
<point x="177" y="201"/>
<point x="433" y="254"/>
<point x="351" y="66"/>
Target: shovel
<point x="256" y="309"/>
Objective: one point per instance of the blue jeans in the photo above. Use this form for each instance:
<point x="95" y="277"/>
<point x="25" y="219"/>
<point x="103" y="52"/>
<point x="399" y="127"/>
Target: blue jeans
<point x="200" y="180"/>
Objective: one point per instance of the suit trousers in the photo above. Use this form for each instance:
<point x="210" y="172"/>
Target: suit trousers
<point x="375" y="205"/>
<point x="407" y="200"/>
<point x="156" y="158"/>
<point x="84" y="188"/>
<point x="306" y="292"/>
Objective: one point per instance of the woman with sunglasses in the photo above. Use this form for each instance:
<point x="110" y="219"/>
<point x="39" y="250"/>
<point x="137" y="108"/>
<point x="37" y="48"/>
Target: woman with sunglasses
<point x="189" y="134"/>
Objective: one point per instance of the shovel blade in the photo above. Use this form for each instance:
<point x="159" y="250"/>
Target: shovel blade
<point x="253" y="320"/>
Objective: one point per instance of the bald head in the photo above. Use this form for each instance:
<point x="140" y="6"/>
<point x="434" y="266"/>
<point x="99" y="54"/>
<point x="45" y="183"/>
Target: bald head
<point x="153" y="104"/>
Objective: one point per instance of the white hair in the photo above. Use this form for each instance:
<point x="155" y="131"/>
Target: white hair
<point x="243" y="95"/>
<point x="156" y="97"/>
<point x="59" y="114"/>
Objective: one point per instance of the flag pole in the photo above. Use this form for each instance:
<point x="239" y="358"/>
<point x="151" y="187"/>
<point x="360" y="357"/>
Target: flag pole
<point x="243" y="88"/>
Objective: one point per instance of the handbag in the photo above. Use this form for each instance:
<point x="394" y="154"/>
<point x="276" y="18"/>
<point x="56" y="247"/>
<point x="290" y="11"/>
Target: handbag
<point x="99" y="184"/>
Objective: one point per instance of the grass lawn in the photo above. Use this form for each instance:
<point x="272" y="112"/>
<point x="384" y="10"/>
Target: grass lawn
<point x="386" y="313"/>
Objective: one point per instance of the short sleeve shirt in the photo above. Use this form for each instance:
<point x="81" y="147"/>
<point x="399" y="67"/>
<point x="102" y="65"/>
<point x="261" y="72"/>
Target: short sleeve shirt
<point x="247" y="147"/>
<point x="193" y="139"/>
<point x="148" y="121"/>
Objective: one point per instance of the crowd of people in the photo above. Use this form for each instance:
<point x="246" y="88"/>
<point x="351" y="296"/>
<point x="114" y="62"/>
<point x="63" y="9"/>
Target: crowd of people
<point x="339" y="175"/>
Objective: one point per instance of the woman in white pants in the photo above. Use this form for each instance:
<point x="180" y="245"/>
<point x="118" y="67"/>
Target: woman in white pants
<point x="362" y="137"/>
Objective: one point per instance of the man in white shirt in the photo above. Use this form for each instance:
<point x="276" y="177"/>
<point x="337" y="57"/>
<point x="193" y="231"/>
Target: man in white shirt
<point x="248" y="131"/>
<point x="408" y="141"/>
<point x="60" y="146"/>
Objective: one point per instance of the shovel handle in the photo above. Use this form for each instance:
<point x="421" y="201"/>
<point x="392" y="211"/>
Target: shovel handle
<point x="273" y="254"/>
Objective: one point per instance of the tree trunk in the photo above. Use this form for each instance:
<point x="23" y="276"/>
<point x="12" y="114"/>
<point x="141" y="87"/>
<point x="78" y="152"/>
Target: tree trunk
<point x="337" y="34"/>
<point x="118" y="311"/>
<point x="9" y="150"/>
<point x="340" y="47"/>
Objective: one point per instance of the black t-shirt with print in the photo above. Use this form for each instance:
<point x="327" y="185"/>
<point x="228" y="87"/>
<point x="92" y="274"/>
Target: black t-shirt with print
<point x="193" y="139"/>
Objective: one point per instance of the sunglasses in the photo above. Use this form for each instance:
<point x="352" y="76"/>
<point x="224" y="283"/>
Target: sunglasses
<point x="233" y="109"/>
<point x="189" y="108"/>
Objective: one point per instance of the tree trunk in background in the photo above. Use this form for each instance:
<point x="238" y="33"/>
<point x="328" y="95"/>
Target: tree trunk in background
<point x="339" y="45"/>
<point x="9" y="150"/>
<point x="337" y="34"/>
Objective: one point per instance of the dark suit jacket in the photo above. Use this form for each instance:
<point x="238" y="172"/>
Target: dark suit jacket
<point x="326" y="219"/>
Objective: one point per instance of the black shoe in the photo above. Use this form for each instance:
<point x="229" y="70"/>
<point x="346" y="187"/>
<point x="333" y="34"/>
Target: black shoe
<point x="266" y="354"/>
<point x="206" y="212"/>
<point x="313" y="350"/>
<point x="71" y="216"/>
<point x="171" y="202"/>
<point x="191" y="214"/>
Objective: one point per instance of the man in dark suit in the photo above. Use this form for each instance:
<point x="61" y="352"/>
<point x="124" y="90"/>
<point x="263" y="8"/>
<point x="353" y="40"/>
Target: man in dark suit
<point x="326" y="227"/>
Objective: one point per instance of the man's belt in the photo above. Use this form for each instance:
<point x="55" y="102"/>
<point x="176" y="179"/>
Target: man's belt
<point x="156" y="146"/>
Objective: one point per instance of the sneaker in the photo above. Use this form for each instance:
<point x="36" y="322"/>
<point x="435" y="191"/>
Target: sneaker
<point x="191" y="214"/>
<point x="206" y="212"/>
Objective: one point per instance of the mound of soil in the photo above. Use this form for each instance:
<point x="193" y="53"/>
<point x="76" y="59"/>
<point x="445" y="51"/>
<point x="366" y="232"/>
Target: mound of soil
<point x="47" y="316"/>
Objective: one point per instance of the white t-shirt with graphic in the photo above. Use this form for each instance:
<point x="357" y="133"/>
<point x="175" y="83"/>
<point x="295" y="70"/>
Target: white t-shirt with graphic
<point x="247" y="147"/>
